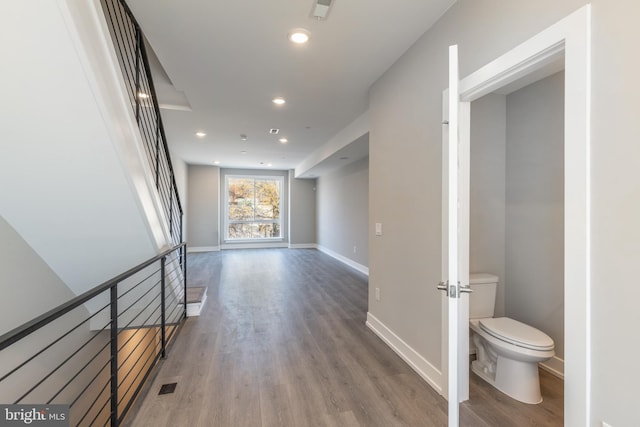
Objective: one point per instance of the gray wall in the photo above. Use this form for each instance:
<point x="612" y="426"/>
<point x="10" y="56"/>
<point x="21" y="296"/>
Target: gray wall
<point x="302" y="212"/>
<point x="487" y="190"/>
<point x="202" y="207"/>
<point x="534" y="281"/>
<point x="29" y="286"/>
<point x="343" y="198"/>
<point x="405" y="148"/>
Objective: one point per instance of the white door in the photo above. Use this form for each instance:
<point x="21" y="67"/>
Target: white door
<point x="456" y="217"/>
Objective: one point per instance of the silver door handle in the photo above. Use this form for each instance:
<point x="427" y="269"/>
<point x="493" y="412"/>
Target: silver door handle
<point x="443" y="286"/>
<point x="465" y="290"/>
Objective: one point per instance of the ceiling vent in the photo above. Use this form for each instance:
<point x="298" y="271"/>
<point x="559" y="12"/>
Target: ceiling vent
<point x="321" y="8"/>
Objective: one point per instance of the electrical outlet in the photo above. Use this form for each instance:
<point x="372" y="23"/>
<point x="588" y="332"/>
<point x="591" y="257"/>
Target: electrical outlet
<point x="377" y="294"/>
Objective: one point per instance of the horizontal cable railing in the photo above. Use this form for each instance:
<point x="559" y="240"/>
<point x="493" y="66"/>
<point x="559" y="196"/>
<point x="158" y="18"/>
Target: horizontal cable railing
<point x="95" y="352"/>
<point x="128" y="41"/>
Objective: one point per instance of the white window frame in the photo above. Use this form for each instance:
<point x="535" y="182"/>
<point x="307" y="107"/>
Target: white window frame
<point x="280" y="180"/>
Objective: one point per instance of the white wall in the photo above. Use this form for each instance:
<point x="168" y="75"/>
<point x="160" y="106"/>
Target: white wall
<point x="203" y="221"/>
<point x="29" y="286"/>
<point x="534" y="280"/>
<point x="343" y="198"/>
<point x="67" y="187"/>
<point x="181" y="173"/>
<point x="487" y="190"/>
<point x="302" y="212"/>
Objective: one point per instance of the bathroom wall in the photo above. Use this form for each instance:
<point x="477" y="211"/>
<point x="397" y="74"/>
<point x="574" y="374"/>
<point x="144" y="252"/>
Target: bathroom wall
<point x="487" y="190"/>
<point x="534" y="286"/>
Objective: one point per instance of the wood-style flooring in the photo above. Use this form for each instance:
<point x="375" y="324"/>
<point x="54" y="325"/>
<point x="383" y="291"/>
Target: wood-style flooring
<point x="282" y="341"/>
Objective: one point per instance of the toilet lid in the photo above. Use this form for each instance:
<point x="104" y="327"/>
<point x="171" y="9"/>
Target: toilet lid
<point x="517" y="333"/>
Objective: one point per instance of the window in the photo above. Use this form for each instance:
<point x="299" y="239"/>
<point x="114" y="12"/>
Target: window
<point x="253" y="207"/>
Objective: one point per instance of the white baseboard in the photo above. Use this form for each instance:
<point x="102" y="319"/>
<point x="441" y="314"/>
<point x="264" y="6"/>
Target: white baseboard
<point x="426" y="370"/>
<point x="203" y="249"/>
<point x="303" y="246"/>
<point x="555" y="366"/>
<point x="351" y="263"/>
<point x="254" y="245"/>
<point x="195" y="308"/>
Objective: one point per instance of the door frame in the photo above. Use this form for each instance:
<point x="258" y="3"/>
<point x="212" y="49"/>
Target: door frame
<point x="570" y="37"/>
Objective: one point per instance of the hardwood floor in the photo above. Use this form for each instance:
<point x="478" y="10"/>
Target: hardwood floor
<point x="282" y="341"/>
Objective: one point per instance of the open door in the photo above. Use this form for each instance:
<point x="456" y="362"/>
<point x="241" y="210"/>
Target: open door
<point x="455" y="272"/>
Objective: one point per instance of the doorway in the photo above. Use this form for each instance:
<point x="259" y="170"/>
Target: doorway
<point x="569" y="38"/>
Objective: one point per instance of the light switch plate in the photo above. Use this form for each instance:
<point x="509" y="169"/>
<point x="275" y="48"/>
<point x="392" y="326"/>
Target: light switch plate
<point x="378" y="229"/>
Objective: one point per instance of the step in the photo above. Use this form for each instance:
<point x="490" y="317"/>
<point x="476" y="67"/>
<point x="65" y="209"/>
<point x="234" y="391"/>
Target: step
<point x="196" y="297"/>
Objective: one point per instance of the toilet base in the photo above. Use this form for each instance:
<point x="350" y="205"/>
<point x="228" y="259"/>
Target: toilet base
<point x="516" y="379"/>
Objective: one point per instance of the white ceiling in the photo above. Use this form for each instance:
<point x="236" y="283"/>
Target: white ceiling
<point x="226" y="60"/>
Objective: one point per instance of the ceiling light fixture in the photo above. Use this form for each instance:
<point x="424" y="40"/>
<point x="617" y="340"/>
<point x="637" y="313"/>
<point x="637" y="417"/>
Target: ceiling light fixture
<point x="216" y="162"/>
<point x="278" y="101"/>
<point x="299" y="36"/>
<point x="274" y="131"/>
<point x="201" y="134"/>
<point x="283" y="140"/>
<point x="243" y="137"/>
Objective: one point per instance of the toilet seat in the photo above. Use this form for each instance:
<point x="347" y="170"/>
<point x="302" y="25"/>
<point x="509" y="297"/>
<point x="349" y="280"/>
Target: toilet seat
<point x="516" y="333"/>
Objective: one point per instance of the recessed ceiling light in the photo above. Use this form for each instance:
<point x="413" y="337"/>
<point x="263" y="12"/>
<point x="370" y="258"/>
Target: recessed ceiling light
<point x="217" y="162"/>
<point x="269" y="165"/>
<point x="283" y="140"/>
<point x="243" y="152"/>
<point x="299" y="36"/>
<point x="274" y="131"/>
<point x="278" y="101"/>
<point x="201" y="134"/>
<point x="243" y="137"/>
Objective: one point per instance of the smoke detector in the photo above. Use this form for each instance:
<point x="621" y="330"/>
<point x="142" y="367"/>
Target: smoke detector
<point x="321" y="9"/>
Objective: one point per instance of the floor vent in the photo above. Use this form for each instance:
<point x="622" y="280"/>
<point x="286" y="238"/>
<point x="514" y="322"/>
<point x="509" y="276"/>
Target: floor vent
<point x="168" y="388"/>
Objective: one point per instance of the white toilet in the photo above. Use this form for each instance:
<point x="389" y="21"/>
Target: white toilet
<point x="507" y="351"/>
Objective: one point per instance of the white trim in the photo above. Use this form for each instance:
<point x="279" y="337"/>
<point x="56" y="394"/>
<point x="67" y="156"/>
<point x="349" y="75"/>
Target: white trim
<point x="303" y="246"/>
<point x="426" y="370"/>
<point x="351" y="263"/>
<point x="226" y="221"/>
<point x="555" y="366"/>
<point x="191" y="249"/>
<point x="257" y="245"/>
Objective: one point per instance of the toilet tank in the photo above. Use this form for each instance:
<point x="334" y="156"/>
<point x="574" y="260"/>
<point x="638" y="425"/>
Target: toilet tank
<point x="482" y="300"/>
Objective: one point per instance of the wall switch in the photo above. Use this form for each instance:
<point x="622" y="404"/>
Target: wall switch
<point x="377" y="294"/>
<point x="378" y="229"/>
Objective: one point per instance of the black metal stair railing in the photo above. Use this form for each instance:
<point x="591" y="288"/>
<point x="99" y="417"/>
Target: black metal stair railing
<point x="95" y="352"/>
<point x="129" y="44"/>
